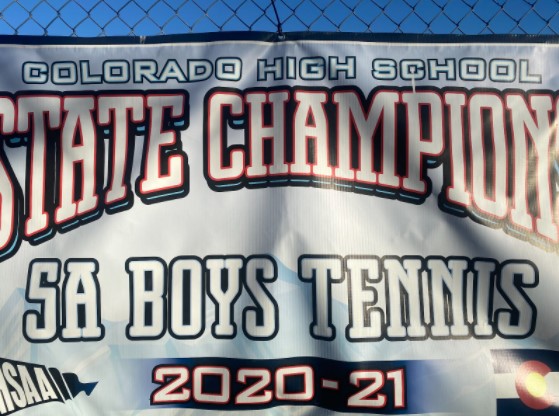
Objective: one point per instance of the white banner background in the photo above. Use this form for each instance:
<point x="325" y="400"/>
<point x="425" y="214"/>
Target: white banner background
<point x="283" y="222"/>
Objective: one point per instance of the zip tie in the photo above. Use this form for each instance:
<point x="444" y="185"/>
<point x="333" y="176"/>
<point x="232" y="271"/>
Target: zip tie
<point x="281" y="36"/>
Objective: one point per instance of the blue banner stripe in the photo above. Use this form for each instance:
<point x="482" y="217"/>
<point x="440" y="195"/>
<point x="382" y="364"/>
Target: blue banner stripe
<point x="507" y="361"/>
<point x="514" y="407"/>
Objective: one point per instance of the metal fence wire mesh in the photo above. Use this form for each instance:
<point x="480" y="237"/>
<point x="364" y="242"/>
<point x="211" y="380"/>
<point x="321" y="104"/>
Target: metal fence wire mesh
<point x="156" y="17"/>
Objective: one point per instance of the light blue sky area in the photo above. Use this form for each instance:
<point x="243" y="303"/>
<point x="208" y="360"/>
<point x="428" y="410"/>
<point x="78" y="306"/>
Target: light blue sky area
<point x="156" y="17"/>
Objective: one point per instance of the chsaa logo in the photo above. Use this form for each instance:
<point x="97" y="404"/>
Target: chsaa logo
<point x="23" y="385"/>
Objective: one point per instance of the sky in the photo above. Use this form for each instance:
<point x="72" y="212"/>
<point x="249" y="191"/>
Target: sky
<point x="91" y="18"/>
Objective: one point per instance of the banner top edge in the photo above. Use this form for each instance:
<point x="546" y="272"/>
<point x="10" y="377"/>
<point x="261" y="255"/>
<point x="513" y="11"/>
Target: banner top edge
<point x="276" y="38"/>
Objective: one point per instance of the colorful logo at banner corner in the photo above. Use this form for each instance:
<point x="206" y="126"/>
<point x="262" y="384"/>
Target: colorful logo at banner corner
<point x="535" y="376"/>
<point x="532" y="387"/>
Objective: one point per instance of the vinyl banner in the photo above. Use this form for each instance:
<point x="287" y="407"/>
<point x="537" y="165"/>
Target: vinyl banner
<point x="250" y="224"/>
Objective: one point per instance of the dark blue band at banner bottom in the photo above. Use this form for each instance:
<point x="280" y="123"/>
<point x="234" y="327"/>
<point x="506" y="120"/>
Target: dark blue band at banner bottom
<point x="383" y="387"/>
<point x="514" y="407"/>
<point x="404" y="387"/>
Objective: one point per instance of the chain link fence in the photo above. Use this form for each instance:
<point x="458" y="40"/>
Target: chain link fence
<point x="156" y="17"/>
